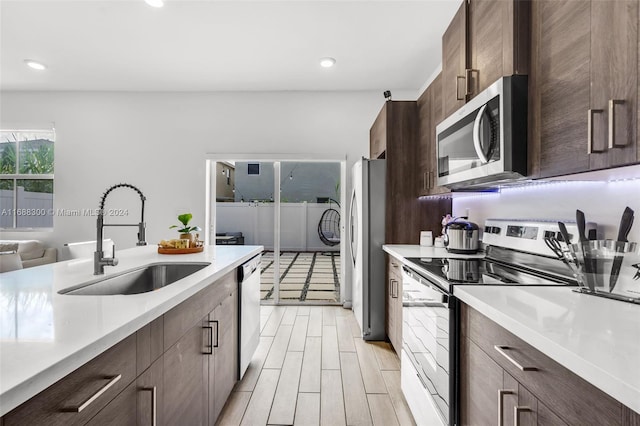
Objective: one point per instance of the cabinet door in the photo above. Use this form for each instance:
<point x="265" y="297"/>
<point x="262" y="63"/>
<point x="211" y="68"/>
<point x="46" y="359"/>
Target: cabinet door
<point x="454" y="61"/>
<point x="485" y="51"/>
<point x="119" y="412"/>
<point x="437" y="115"/>
<point x="394" y="304"/>
<point x="498" y="42"/>
<point x="223" y="364"/>
<point x="614" y="82"/>
<point x="560" y="85"/>
<point x="480" y="380"/>
<point x="150" y="395"/>
<point x="425" y="141"/>
<point x="185" y="379"/>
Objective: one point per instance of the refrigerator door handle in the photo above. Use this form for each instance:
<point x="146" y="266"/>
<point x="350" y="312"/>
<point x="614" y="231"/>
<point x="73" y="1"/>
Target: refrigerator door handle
<point x="352" y="238"/>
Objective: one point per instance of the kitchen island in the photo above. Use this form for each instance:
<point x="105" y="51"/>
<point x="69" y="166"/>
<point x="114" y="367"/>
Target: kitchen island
<point x="45" y="335"/>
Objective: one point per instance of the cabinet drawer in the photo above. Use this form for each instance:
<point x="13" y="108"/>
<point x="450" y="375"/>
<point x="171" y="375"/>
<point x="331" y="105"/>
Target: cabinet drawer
<point x="562" y="391"/>
<point x="181" y="318"/>
<point x="87" y="390"/>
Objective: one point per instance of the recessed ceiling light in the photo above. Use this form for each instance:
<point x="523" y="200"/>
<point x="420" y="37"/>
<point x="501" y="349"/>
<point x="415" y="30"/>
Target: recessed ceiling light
<point x="327" y="62"/>
<point x="35" y="64"/>
<point x="155" y="3"/>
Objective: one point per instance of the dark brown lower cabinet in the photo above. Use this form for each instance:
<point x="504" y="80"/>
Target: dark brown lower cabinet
<point x="225" y="354"/>
<point x="480" y="379"/>
<point x="150" y="395"/>
<point x="505" y="381"/>
<point x="394" y="304"/>
<point x="185" y="379"/>
<point x="177" y="370"/>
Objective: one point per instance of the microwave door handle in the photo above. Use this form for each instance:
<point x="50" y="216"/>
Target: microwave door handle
<point x="477" y="145"/>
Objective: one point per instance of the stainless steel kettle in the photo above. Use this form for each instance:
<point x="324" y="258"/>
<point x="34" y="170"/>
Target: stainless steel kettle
<point x="461" y="236"/>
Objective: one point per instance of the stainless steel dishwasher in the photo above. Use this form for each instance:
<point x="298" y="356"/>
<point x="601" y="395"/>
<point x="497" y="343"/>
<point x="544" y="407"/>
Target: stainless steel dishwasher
<point x="248" y="312"/>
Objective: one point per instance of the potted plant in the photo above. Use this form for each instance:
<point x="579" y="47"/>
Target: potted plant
<point x="185" y="230"/>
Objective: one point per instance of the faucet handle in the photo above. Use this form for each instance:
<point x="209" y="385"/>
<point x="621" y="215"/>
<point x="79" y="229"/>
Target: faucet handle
<point x="114" y="261"/>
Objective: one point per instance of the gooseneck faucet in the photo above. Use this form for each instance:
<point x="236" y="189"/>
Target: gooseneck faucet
<point x="99" y="261"/>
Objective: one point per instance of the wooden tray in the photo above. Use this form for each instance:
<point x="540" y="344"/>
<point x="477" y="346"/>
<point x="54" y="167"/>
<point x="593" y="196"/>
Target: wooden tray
<point x="180" y="251"/>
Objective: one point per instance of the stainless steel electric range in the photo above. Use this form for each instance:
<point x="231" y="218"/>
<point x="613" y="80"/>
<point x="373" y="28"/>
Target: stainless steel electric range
<point x="516" y="255"/>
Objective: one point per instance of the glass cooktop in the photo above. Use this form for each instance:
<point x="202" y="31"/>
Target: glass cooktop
<point x="479" y="271"/>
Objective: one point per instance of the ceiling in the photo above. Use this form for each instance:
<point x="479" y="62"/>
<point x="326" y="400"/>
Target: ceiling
<point x="211" y="45"/>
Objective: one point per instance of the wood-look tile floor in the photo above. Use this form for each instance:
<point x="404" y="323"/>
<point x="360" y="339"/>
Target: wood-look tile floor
<point x="312" y="368"/>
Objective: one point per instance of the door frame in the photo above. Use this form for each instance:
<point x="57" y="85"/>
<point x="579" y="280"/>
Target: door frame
<point x="210" y="205"/>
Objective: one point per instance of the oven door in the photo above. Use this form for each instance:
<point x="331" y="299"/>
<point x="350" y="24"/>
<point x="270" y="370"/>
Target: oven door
<point x="426" y="344"/>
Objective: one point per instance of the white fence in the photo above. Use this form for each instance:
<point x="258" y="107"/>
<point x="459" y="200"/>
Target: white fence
<point x="298" y="224"/>
<point x="37" y="208"/>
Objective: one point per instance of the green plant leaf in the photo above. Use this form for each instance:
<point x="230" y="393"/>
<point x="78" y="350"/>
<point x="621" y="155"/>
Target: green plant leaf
<point x="185" y="218"/>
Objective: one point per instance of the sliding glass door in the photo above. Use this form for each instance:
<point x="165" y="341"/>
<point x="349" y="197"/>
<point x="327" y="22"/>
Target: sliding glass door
<point x="291" y="208"/>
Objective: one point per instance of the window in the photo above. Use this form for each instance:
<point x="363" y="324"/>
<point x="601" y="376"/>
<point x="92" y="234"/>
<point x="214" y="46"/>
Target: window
<point x="26" y="179"/>
<point x="253" y="168"/>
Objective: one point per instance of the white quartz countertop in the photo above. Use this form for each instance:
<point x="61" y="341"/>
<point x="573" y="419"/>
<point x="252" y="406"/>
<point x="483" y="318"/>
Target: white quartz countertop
<point x="45" y="335"/>
<point x="598" y="339"/>
<point x="401" y="252"/>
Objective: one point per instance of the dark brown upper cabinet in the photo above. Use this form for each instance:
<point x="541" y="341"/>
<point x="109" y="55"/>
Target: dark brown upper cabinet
<point x="583" y="86"/>
<point x="486" y="39"/>
<point x="454" y="62"/>
<point x="430" y="114"/>
<point x="397" y="128"/>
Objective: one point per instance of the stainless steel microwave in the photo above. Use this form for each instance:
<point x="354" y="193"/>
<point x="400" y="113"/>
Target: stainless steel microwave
<point x="484" y="143"/>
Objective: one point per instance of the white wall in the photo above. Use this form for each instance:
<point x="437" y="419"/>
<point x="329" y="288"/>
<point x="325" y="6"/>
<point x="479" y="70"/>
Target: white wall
<point x="159" y="141"/>
<point x="602" y="202"/>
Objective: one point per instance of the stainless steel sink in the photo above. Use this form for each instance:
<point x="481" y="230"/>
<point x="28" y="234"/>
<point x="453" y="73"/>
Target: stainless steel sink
<point x="141" y="280"/>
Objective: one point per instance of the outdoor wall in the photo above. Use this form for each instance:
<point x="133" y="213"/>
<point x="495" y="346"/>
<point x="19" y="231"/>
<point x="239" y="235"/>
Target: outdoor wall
<point x="224" y="185"/>
<point x="300" y="181"/>
<point x="298" y="229"/>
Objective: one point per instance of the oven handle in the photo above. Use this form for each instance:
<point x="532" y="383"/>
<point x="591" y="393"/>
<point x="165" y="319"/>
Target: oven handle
<point x="476" y="135"/>
<point x="424" y="281"/>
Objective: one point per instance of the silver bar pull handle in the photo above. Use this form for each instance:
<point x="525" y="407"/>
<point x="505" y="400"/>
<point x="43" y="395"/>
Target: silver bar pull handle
<point x="112" y="381"/>
<point x="215" y="345"/>
<point x="516" y="414"/>
<point x="209" y="347"/>
<point x="154" y="404"/>
<point x="612" y="123"/>
<point x="501" y="350"/>
<point x="467" y="78"/>
<point x="458" y="97"/>
<point x="590" y="149"/>
<point x="394" y="287"/>
<point x="501" y="394"/>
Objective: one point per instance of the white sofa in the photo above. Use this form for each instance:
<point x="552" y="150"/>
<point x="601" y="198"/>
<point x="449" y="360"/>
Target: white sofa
<point x="32" y="252"/>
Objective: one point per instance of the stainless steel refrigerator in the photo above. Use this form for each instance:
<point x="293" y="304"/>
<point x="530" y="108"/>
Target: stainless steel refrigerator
<point x="366" y="229"/>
